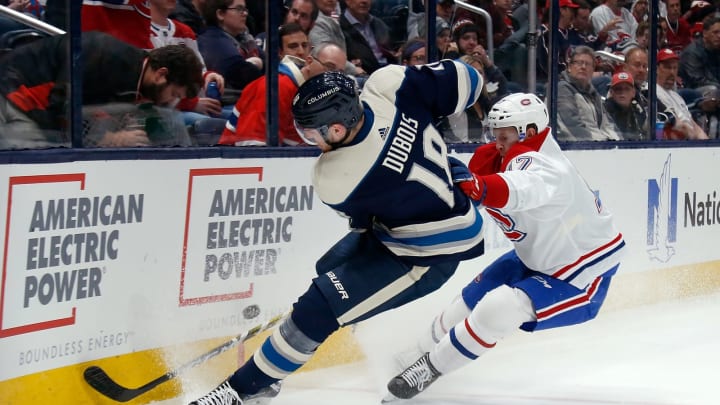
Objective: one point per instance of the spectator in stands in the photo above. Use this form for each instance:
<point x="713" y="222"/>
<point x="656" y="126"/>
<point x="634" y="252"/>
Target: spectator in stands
<point x="636" y="63"/>
<point x="640" y="10"/>
<point x="303" y="12"/>
<point x="699" y="9"/>
<point x="629" y="117"/>
<point x="327" y="29"/>
<point x="614" y="19"/>
<point x="521" y="10"/>
<point x="700" y="61"/>
<point x="330" y="8"/>
<point x="678" y="34"/>
<point x="496" y="85"/>
<point x="584" y="28"/>
<point x="581" y="112"/>
<point x="443" y="40"/>
<point x="247" y="126"/>
<point x="166" y="31"/>
<point x="226" y="45"/>
<point x="128" y="21"/>
<point x="511" y="54"/>
<point x="509" y="34"/>
<point x="444" y="12"/>
<point x="466" y="35"/>
<point x="189" y="13"/>
<point x="502" y="27"/>
<point x="680" y="124"/>
<point x="707" y="113"/>
<point x="367" y="38"/>
<point x="293" y="41"/>
<point x="445" y="9"/>
<point x="569" y="38"/>
<point x="642" y="34"/>
<point x="327" y="25"/>
<point x="413" y="52"/>
<point x="582" y="18"/>
<point x="446" y="47"/>
<point x="31" y="8"/>
<point x="414" y="21"/>
<point x="34" y="80"/>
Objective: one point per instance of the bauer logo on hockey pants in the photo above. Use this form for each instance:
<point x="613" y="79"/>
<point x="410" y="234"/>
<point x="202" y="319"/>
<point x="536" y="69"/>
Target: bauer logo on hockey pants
<point x="338" y="285"/>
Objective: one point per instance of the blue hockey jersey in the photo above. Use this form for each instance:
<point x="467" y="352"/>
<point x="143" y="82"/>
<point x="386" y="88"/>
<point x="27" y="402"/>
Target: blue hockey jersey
<point x="393" y="179"/>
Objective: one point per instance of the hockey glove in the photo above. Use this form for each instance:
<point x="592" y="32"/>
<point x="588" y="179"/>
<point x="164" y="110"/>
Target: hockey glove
<point x="470" y="184"/>
<point x="475" y="189"/>
<point x="458" y="171"/>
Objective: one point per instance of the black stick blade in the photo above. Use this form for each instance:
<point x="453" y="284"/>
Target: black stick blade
<point x="98" y="379"/>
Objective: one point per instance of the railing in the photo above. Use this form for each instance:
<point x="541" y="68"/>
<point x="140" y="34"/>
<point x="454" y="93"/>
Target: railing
<point x="488" y="25"/>
<point x="30" y="22"/>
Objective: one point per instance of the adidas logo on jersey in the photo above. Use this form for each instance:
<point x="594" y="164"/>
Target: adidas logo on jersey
<point x="383" y="132"/>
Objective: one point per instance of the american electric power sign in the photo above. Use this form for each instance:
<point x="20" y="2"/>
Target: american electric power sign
<point x="61" y="253"/>
<point x="242" y="223"/>
<point x="57" y="251"/>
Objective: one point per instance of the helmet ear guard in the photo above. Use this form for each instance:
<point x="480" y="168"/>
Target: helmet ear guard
<point x="520" y="111"/>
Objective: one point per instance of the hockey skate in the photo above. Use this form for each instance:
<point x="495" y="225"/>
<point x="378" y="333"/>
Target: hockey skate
<point x="413" y="380"/>
<point x="262" y="397"/>
<point x="224" y="394"/>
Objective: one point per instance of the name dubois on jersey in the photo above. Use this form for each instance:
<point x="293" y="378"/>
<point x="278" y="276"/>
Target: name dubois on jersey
<point x="401" y="144"/>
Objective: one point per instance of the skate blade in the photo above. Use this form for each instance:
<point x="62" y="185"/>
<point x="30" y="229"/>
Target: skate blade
<point x="257" y="401"/>
<point x="390" y="398"/>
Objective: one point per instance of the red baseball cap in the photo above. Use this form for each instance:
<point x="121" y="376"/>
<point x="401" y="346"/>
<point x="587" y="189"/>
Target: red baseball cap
<point x="622" y="77"/>
<point x="568" y="3"/>
<point x="666" y="54"/>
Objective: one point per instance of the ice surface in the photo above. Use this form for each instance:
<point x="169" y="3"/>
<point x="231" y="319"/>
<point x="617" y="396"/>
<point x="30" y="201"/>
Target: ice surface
<point x="658" y="354"/>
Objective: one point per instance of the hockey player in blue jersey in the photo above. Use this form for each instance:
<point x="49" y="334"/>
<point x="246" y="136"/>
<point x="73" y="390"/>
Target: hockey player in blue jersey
<point x="385" y="167"/>
<point x="565" y="247"/>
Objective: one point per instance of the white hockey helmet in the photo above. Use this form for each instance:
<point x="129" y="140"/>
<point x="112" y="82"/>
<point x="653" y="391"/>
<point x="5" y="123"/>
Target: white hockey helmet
<point x="519" y="110"/>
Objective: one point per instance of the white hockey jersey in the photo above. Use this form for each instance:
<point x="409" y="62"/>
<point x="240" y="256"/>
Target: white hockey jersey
<point x="175" y="33"/>
<point x="555" y="221"/>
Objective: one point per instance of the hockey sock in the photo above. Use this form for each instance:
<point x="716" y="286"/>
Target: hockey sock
<point x="290" y="346"/>
<point x="495" y="316"/>
<point x="455" y="312"/>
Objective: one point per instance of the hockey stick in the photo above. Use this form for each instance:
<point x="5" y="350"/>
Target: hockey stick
<point x="102" y="383"/>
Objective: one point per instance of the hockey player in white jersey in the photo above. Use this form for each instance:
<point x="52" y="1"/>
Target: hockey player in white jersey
<point x="566" y="248"/>
<point x="385" y="167"/>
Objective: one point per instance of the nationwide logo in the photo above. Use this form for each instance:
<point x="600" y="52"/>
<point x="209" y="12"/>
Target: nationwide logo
<point x="662" y="215"/>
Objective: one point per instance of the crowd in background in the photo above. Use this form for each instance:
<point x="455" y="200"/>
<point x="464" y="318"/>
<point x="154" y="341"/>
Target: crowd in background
<point x="602" y="86"/>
